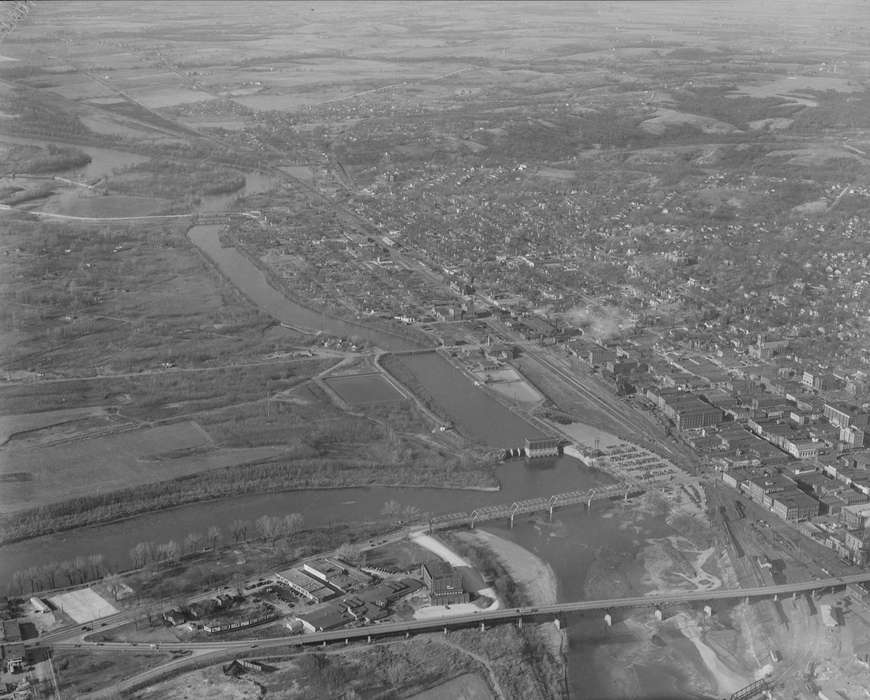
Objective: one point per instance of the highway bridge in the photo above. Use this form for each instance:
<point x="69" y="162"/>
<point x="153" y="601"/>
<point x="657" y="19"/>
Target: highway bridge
<point x="532" y="505"/>
<point x="481" y="618"/>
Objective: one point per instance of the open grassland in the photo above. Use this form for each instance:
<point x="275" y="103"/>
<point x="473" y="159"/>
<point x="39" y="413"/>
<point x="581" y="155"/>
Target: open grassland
<point x="82" y="671"/>
<point x="102" y="464"/>
<point x="155" y="395"/>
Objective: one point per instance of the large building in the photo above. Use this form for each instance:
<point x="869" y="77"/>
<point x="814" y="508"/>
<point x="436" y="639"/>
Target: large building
<point x="793" y="504"/>
<point x="306" y="585"/>
<point x="444" y="583"/>
<point x="856" y="516"/>
<point x="543" y="447"/>
<point x="687" y="411"/>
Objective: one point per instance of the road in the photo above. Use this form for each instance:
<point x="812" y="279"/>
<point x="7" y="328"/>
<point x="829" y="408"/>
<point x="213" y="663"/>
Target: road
<point x="478" y="618"/>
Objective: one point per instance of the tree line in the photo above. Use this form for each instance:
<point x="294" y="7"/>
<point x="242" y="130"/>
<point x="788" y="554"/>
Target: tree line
<point x="57" y="574"/>
<point x="230" y="481"/>
<point x="83" y="569"/>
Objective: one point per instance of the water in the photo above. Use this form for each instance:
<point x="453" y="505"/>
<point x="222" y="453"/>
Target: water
<point x="104" y="161"/>
<point x="254" y="285"/>
<point x="320" y="507"/>
<point x="476" y="413"/>
<point x="604" y="544"/>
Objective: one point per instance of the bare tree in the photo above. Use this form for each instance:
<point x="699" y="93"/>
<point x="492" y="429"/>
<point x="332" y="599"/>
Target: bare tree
<point x="266" y="526"/>
<point x="96" y="562"/>
<point x="411" y="513"/>
<point x="173" y="550"/>
<point x="192" y="542"/>
<point x="348" y="552"/>
<point x="239" y="528"/>
<point x="292" y="524"/>
<point x="214" y="535"/>
<point x="80" y="564"/>
<point x="113" y="583"/>
<point x="391" y="509"/>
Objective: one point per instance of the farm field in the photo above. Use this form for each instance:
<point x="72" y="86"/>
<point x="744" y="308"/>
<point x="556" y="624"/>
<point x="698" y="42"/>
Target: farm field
<point x="11" y="425"/>
<point x="97" y="465"/>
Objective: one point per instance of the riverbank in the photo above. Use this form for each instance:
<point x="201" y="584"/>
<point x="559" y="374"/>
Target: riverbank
<point x="470" y="575"/>
<point x="222" y="484"/>
<point x="535" y="584"/>
<point x="535" y="578"/>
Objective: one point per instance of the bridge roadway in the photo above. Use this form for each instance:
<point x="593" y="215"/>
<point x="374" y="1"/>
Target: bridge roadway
<point x="532" y="505"/>
<point x="481" y="617"/>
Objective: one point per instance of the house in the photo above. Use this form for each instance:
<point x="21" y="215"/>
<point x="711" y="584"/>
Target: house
<point x="175" y="617"/>
<point x="444" y="583"/>
<point x="15" y="658"/>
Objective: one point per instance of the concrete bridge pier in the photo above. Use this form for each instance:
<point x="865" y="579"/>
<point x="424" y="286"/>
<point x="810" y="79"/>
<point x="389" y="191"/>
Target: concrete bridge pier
<point x="558" y="623"/>
<point x="519" y="623"/>
<point x="708" y="611"/>
<point x="369" y="639"/>
<point x="407" y="635"/>
<point x="483" y="627"/>
<point x="346" y="641"/>
<point x="515" y="507"/>
<point x="324" y="643"/>
<point x="658" y="614"/>
<point x="608" y="620"/>
<point x="445" y="630"/>
<point x="776" y="597"/>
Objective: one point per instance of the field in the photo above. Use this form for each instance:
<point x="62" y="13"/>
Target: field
<point x="100" y="464"/>
<point x="82" y="671"/>
<point x="11" y="425"/>
<point x="469" y="686"/>
<point x="365" y="389"/>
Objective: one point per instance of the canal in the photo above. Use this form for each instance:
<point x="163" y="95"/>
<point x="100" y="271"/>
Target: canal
<point x="477" y="414"/>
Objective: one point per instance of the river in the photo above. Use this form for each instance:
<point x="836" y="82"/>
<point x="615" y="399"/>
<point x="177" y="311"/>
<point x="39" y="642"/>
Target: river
<point x="606" y="543"/>
<point x="104" y="161"/>
<point x="570" y="544"/>
<point x="320" y="507"/>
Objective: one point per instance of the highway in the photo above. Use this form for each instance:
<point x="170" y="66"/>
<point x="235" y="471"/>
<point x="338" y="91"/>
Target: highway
<point x="477" y="618"/>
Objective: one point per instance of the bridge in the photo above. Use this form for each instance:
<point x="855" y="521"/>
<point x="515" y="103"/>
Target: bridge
<point x="532" y="505"/>
<point x="222" y="217"/>
<point x="480" y="618"/>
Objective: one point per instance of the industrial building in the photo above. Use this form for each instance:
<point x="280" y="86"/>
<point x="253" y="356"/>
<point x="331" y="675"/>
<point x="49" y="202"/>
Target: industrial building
<point x="543" y="447"/>
<point x="794" y="505"/>
<point x="306" y="585"/>
<point x="444" y="583"/>
<point x="687" y="411"/>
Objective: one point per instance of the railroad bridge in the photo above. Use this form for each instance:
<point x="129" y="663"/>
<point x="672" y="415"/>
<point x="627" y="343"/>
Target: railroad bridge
<point x="533" y="505"/>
